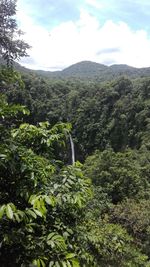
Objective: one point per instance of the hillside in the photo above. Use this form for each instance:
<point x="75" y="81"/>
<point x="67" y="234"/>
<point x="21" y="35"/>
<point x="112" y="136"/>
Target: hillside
<point x="87" y="70"/>
<point x="84" y="69"/>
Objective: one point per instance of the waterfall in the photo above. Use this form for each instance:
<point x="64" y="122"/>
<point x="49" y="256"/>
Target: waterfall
<point x="72" y="149"/>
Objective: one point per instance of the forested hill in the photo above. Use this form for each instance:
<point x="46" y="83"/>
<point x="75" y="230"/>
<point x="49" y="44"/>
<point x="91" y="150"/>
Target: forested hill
<point x="87" y="70"/>
<point x="100" y="72"/>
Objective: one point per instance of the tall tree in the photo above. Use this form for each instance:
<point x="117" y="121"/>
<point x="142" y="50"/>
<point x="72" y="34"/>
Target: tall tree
<point x="11" y="45"/>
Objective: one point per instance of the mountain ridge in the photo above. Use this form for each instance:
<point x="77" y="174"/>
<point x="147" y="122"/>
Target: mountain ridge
<point x="89" y="70"/>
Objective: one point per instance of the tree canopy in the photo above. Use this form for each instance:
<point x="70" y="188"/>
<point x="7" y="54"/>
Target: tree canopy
<point x="12" y="47"/>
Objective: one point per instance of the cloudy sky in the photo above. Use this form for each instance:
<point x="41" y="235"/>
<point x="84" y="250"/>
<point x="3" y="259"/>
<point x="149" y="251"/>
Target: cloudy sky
<point x="63" y="32"/>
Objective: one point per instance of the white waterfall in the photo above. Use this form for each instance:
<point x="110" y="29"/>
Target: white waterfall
<point x="72" y="149"/>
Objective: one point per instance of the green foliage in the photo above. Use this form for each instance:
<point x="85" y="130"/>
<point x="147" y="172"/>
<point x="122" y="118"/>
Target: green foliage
<point x="42" y="139"/>
<point x="113" y="114"/>
<point x="47" y="213"/>
<point x="114" y="246"/>
<point x="119" y="175"/>
<point x="135" y="217"/>
<point x="121" y="178"/>
<point x="10" y="80"/>
<point x="8" y="111"/>
<point x="41" y="204"/>
<point x="11" y="45"/>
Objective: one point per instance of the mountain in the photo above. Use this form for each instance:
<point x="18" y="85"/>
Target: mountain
<point x="84" y="69"/>
<point x="87" y="70"/>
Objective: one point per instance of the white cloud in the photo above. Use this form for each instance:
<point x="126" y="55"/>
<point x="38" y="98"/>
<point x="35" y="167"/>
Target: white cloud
<point x="85" y="39"/>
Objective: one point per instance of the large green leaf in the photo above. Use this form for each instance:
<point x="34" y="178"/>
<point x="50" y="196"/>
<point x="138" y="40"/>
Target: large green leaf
<point x="9" y="211"/>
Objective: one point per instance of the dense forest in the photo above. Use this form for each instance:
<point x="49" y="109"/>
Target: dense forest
<point x="96" y="211"/>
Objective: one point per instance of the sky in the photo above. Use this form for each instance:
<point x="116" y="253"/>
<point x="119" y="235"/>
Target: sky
<point x="64" y="32"/>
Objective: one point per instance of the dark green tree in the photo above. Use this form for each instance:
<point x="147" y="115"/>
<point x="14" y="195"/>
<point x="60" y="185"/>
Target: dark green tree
<point x="135" y="217"/>
<point x="12" y="47"/>
<point x="41" y="202"/>
<point x="118" y="175"/>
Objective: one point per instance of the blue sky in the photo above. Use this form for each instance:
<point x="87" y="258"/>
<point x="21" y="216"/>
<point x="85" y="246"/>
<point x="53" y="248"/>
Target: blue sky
<point x="63" y="32"/>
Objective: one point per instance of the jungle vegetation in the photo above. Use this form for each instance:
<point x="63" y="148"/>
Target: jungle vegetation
<point x="95" y="212"/>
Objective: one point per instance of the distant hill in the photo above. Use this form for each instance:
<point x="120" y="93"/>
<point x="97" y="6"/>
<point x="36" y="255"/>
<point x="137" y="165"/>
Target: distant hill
<point x="87" y="70"/>
<point x="84" y="69"/>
